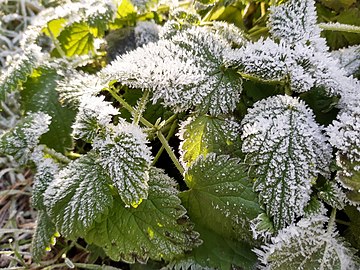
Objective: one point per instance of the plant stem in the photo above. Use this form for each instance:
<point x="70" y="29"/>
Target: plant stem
<point x="342" y="222"/>
<point x="129" y="108"/>
<point x="79" y="265"/>
<point x="170" y="134"/>
<point x="56" y="155"/>
<point x="170" y="152"/>
<point x="340" y="27"/>
<point x="141" y="107"/>
<point x="331" y="220"/>
<point x="56" y="43"/>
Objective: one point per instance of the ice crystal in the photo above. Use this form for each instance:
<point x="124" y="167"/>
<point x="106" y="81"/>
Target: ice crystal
<point x="349" y="59"/>
<point x="93" y="116"/>
<point x="184" y="72"/>
<point x="295" y="22"/>
<point x="21" y="141"/>
<point x="287" y="149"/>
<point x="79" y="194"/>
<point x="76" y="84"/>
<point x="126" y="157"/>
<point x="307" y="245"/>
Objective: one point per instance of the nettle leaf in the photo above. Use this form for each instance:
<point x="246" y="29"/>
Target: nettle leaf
<point x="234" y="35"/>
<point x="206" y="134"/>
<point x="307" y="245"/>
<point x="216" y="252"/>
<point x="332" y="194"/>
<point x="294" y="22"/>
<point x="21" y="141"/>
<point x="44" y="231"/>
<point x="126" y="157"/>
<point x="77" y="39"/>
<point x="156" y="229"/>
<point x="287" y="149"/>
<point x="46" y="169"/>
<point x="92" y="118"/>
<point x="19" y="70"/>
<point x="73" y="85"/>
<point x="349" y="59"/>
<point x="184" y="72"/>
<point x="79" y="195"/>
<point x="221" y="196"/>
<point x="39" y="94"/>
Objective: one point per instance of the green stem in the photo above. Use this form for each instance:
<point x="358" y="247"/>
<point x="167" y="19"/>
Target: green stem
<point x="56" y="155"/>
<point x="342" y="222"/>
<point x="129" y="108"/>
<point x="79" y="265"/>
<point x="56" y="43"/>
<point x="170" y="152"/>
<point x="141" y="107"/>
<point x="340" y="27"/>
<point x="332" y="219"/>
<point x="170" y="134"/>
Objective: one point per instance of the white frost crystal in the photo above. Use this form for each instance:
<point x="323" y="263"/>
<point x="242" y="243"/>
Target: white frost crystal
<point x="307" y="245"/>
<point x="126" y="157"/>
<point x="287" y="149"/>
<point x="93" y="116"/>
<point x="184" y="72"/>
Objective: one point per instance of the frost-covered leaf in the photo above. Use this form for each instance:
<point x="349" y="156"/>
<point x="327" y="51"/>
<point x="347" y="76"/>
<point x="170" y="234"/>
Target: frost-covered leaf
<point x="216" y="252"/>
<point x="46" y="169"/>
<point x="92" y="118"/>
<point x="156" y="229"/>
<point x="146" y="32"/>
<point x="19" y="70"/>
<point x="20" y="141"/>
<point x="39" y="94"/>
<point x="287" y="149"/>
<point x="74" y="84"/>
<point x="45" y="230"/>
<point x="307" y="245"/>
<point x="79" y="195"/>
<point x="221" y="196"/>
<point x="184" y="72"/>
<point x="332" y="194"/>
<point x="294" y="22"/>
<point x="126" y="157"/>
<point x="349" y="59"/>
<point x="77" y="39"/>
<point x="206" y="134"/>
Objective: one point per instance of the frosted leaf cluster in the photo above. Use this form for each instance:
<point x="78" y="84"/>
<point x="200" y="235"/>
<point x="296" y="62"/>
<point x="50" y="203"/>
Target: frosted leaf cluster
<point x="91" y="11"/>
<point x="307" y="245"/>
<point x="79" y="194"/>
<point x="74" y="85"/>
<point x="146" y="32"/>
<point x="295" y="22"/>
<point x="21" y="141"/>
<point x="287" y="149"/>
<point x="230" y="33"/>
<point x="126" y="157"/>
<point x="184" y="72"/>
<point x="94" y="116"/>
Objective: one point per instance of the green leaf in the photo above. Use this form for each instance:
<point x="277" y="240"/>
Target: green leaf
<point x="287" y="150"/>
<point x="21" y="141"/>
<point x="338" y="4"/>
<point x="18" y="72"/>
<point x="307" y="245"/>
<point x="352" y="233"/>
<point x="220" y="196"/>
<point x="45" y="230"/>
<point x="332" y="194"/>
<point x="156" y="229"/>
<point x="79" y="195"/>
<point x="217" y="252"/>
<point x="126" y="157"/>
<point x="39" y="94"/>
<point x="206" y="134"/>
<point x="77" y="39"/>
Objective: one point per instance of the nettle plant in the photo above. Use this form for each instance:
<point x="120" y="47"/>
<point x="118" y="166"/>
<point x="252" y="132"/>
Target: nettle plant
<point x="269" y="134"/>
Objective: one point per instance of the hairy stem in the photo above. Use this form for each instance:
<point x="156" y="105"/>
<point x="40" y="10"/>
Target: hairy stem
<point x="58" y="156"/>
<point x="141" y="107"/>
<point x="340" y="27"/>
<point x="56" y="43"/>
<point x="170" y="134"/>
<point x="170" y="152"/>
<point x="129" y="108"/>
